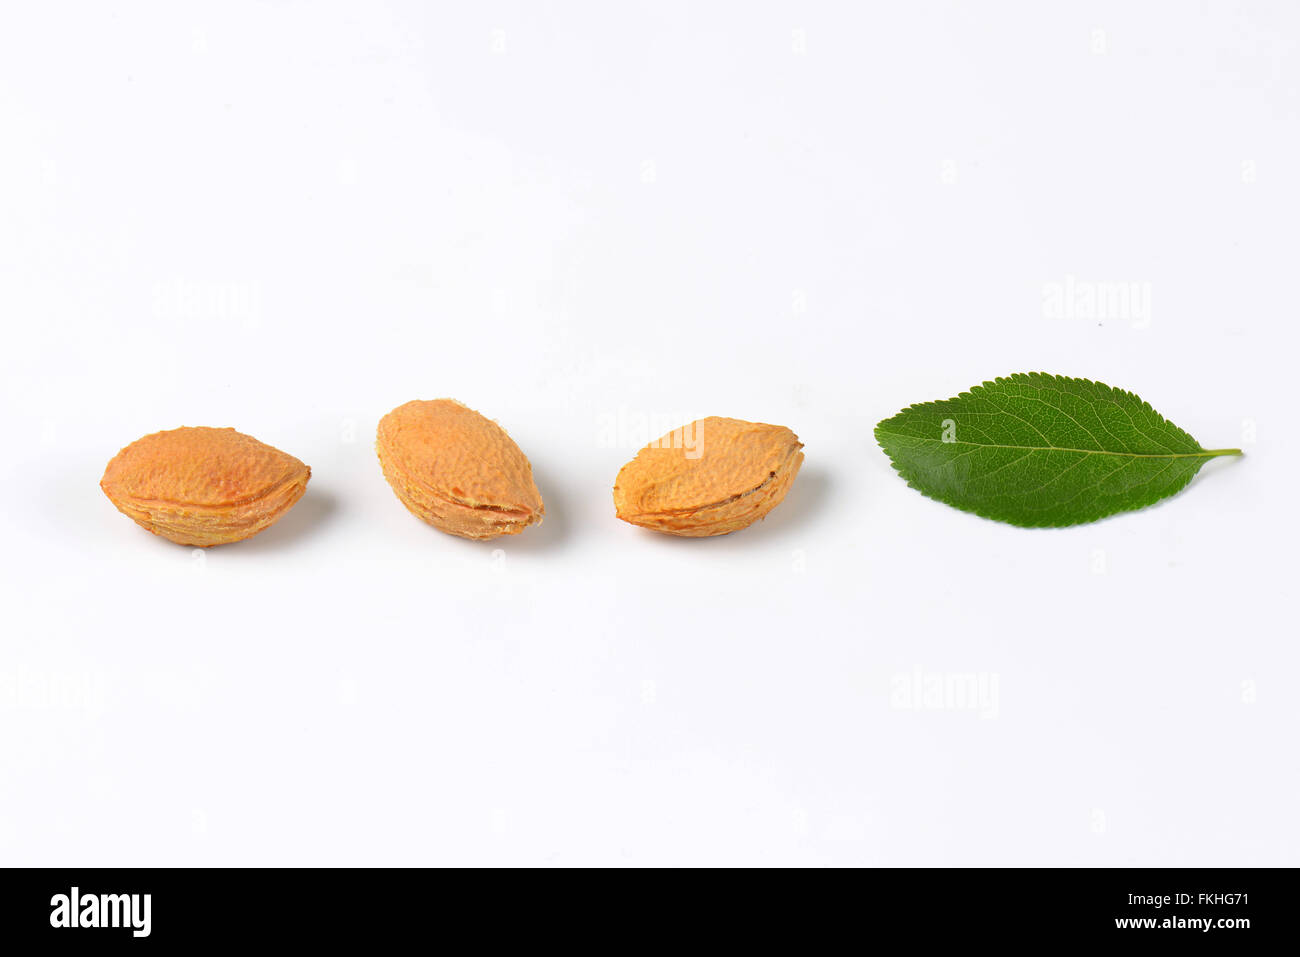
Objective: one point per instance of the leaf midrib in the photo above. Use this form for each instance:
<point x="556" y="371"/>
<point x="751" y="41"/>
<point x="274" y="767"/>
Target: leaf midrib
<point x="1203" y="454"/>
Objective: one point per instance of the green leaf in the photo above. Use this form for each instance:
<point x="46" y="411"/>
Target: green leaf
<point x="1041" y="450"/>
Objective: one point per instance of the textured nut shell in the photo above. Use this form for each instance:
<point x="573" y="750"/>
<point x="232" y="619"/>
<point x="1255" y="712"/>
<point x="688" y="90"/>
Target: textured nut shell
<point x="201" y="486"/>
<point x="741" y="472"/>
<point x="457" y="470"/>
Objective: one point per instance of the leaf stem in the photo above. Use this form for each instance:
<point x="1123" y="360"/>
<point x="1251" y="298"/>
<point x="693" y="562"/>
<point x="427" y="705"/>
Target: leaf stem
<point x="1212" y="452"/>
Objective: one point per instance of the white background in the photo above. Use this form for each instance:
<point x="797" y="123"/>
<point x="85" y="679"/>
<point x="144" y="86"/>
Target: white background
<point x="291" y="217"/>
